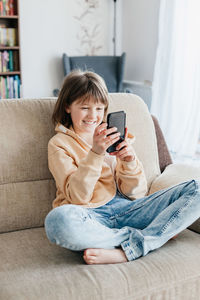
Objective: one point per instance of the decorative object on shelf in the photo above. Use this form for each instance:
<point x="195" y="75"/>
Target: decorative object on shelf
<point x="90" y="27"/>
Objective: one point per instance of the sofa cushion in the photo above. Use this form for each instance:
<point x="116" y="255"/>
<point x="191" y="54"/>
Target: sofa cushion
<point x="174" y="174"/>
<point x="32" y="268"/>
<point x="27" y="188"/>
<point x="25" y="204"/>
<point x="25" y="130"/>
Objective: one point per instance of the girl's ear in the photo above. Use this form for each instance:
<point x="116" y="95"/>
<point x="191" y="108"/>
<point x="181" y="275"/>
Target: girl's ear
<point x="67" y="109"/>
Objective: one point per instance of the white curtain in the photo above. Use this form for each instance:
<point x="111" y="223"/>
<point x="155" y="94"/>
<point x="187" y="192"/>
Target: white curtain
<point x="176" y="84"/>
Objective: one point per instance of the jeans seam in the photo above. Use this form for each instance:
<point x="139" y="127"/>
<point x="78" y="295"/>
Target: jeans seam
<point x="139" y="206"/>
<point x="175" y="215"/>
<point x="180" y="209"/>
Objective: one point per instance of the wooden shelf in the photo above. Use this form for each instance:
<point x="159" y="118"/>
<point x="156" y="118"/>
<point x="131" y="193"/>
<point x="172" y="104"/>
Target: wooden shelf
<point x="9" y="48"/>
<point x="10" y="73"/>
<point x="9" y="17"/>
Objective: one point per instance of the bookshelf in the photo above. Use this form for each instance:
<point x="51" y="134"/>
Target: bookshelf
<point x="10" y="67"/>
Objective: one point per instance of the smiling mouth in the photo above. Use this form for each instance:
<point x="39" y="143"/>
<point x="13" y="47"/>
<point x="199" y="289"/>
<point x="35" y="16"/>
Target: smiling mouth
<point x="89" y="122"/>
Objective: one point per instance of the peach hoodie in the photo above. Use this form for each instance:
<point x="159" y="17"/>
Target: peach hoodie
<point x="84" y="177"/>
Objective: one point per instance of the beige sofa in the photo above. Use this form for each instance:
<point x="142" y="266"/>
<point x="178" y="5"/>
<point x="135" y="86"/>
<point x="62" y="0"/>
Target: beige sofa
<point x="31" y="268"/>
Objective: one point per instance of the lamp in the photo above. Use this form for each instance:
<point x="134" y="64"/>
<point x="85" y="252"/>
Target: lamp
<point x="114" y="27"/>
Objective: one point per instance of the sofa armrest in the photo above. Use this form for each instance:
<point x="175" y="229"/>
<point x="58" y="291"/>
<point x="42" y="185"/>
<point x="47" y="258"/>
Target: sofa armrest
<point x="163" y="151"/>
<point x="175" y="174"/>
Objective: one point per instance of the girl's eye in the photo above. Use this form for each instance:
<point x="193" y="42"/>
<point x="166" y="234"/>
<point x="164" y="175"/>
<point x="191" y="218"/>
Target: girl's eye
<point x="100" y="108"/>
<point x="84" y="107"/>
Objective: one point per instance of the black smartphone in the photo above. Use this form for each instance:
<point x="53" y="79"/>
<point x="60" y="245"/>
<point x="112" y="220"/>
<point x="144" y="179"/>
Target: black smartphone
<point x="117" y="119"/>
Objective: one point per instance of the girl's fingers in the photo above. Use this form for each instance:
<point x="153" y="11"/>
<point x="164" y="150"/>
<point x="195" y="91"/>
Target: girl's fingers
<point x="102" y="141"/>
<point x="121" y="145"/>
<point x="102" y="130"/>
<point x="112" y="137"/>
<point x="110" y="130"/>
<point x="125" y="154"/>
<point x="110" y="142"/>
<point x="123" y="151"/>
<point x="99" y="129"/>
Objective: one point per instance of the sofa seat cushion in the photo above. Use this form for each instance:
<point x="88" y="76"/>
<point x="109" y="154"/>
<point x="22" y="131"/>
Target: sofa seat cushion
<point x="32" y="268"/>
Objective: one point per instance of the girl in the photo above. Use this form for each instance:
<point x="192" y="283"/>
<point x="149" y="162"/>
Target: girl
<point x="100" y="205"/>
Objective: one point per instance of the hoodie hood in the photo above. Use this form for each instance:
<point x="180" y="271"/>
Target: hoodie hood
<point x="70" y="132"/>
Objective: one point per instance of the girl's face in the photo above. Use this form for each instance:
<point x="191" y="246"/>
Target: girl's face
<point x="86" y="116"/>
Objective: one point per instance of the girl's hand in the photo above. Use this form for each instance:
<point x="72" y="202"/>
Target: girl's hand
<point x="101" y="140"/>
<point x="124" y="150"/>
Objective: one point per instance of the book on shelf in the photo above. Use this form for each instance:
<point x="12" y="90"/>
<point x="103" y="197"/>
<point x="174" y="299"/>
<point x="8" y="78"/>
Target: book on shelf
<point x="9" y="61"/>
<point x="5" y="59"/>
<point x="10" y="87"/>
<point x="1" y="8"/>
<point x="11" y="7"/>
<point x="8" y="36"/>
<point x="16" y="61"/>
<point x="6" y="7"/>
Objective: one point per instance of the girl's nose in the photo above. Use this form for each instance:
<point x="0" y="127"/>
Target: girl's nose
<point x="92" y="113"/>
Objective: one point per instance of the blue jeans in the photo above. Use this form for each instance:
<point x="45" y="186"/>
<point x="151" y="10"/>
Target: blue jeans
<point x="138" y="226"/>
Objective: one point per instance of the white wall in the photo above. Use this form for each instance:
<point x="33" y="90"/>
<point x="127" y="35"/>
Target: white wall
<point x="140" y="37"/>
<point x="47" y="30"/>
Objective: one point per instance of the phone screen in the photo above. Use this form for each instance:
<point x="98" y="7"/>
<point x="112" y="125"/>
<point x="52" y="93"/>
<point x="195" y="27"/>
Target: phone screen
<point x="117" y="119"/>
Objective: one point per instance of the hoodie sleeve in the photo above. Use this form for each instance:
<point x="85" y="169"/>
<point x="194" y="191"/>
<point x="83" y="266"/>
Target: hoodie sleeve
<point x="76" y="182"/>
<point x="131" y="179"/>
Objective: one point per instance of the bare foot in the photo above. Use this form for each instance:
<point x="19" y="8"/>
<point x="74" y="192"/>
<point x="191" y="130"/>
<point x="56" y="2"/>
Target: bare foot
<point x="174" y="237"/>
<point x="104" y="256"/>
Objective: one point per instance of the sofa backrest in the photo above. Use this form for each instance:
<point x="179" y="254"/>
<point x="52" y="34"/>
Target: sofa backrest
<point x="140" y="124"/>
<point x="27" y="188"/>
<point x="26" y="185"/>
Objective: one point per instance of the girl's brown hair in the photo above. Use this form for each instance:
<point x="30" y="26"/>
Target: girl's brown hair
<point x="79" y="85"/>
